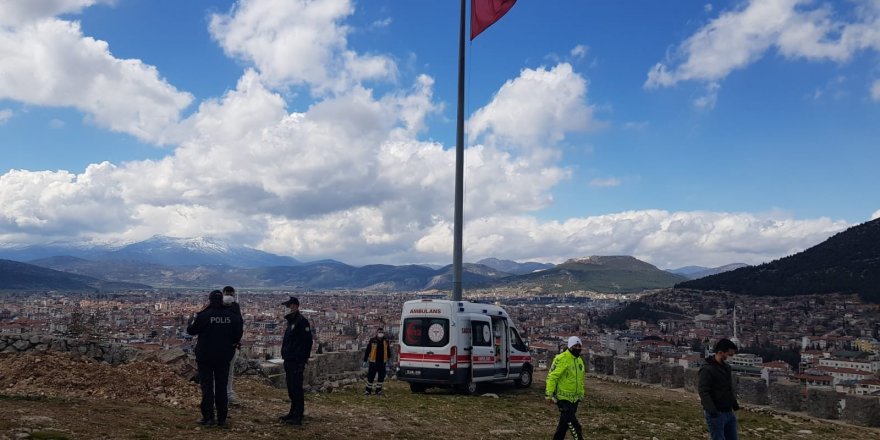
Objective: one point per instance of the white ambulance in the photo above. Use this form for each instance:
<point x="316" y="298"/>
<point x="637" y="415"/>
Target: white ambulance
<point x="460" y="344"/>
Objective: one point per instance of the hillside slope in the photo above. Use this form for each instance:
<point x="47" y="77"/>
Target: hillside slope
<point x="609" y="274"/>
<point x="83" y="400"/>
<point x="848" y="262"/>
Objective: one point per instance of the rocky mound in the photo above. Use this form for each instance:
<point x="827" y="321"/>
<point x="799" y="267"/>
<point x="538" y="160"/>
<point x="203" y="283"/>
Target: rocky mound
<point x="62" y="375"/>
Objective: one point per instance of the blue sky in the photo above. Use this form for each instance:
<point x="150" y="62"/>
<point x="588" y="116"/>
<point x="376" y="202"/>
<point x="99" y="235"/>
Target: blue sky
<point x="679" y="132"/>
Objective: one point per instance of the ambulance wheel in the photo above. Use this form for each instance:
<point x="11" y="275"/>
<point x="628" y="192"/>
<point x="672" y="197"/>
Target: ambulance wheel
<point x="417" y="387"/>
<point x="471" y="388"/>
<point x="525" y="378"/>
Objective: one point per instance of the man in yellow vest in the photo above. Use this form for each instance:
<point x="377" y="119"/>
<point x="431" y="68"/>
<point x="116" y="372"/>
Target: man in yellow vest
<point x="565" y="386"/>
<point x="376" y="356"/>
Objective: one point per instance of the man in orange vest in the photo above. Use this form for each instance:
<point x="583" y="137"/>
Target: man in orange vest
<point x="377" y="354"/>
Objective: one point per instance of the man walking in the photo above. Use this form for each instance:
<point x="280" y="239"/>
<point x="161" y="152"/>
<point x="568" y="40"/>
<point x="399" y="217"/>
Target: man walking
<point x="295" y="350"/>
<point x="376" y="356"/>
<point x="218" y="329"/>
<point x="231" y="300"/>
<point x="565" y="386"/>
<point x="717" y="393"/>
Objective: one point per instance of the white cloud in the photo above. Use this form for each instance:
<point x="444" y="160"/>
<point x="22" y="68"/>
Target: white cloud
<point x="50" y="63"/>
<point x="381" y="24"/>
<point x="16" y="13"/>
<point x="606" y="182"/>
<point x="579" y="51"/>
<point x="298" y="42"/>
<point x="536" y="109"/>
<point x="795" y="28"/>
<point x="665" y="239"/>
<point x="875" y="215"/>
<point x="56" y="124"/>
<point x="708" y="100"/>
<point x="5" y="114"/>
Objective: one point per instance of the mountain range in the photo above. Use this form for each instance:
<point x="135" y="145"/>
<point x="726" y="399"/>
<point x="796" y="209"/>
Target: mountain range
<point x="201" y="263"/>
<point x="848" y="262"/>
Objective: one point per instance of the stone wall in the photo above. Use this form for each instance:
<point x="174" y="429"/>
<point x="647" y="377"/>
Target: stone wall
<point x="183" y="363"/>
<point x="626" y="367"/>
<point x="324" y="372"/>
<point x="671" y="376"/>
<point x="691" y="379"/>
<point x="113" y="354"/>
<point x="600" y="364"/>
<point x="822" y="403"/>
<point x="752" y="390"/>
<point x="786" y="396"/>
<point x="862" y="410"/>
<point x="649" y="372"/>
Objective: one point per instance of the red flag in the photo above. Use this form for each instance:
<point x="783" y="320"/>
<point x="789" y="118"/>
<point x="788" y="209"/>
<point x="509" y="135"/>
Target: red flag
<point x="486" y="12"/>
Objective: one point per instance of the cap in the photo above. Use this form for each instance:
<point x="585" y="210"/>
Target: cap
<point x="215" y="295"/>
<point x="574" y="340"/>
<point x="291" y="300"/>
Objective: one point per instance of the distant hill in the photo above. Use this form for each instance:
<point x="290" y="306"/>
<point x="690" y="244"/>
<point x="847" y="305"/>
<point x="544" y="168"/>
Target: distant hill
<point x="15" y="275"/>
<point x="512" y="267"/>
<point x="848" y="262"/>
<point x="609" y="274"/>
<point x="694" y="272"/>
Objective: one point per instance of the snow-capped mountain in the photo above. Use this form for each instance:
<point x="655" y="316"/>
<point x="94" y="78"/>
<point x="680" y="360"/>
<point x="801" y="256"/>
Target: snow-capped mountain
<point x="168" y="251"/>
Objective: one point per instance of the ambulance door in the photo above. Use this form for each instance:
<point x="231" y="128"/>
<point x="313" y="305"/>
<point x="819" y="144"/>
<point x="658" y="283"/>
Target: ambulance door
<point x="502" y="347"/>
<point x="482" y="350"/>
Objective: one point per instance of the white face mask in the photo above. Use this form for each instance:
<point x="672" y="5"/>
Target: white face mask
<point x="381" y="335"/>
<point x="227" y="299"/>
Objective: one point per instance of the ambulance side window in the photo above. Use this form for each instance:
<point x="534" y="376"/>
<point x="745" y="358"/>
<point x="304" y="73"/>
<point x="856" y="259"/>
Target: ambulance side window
<point x="517" y="342"/>
<point x="481" y="334"/>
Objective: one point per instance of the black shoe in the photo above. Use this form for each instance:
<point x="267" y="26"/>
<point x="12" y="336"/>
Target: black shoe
<point x="206" y="422"/>
<point x="222" y="424"/>
<point x="294" y="421"/>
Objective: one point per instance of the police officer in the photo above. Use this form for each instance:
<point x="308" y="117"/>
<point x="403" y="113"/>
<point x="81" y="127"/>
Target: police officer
<point x="376" y="355"/>
<point x="219" y="330"/>
<point x="565" y="386"/>
<point x="230" y="300"/>
<point x="295" y="350"/>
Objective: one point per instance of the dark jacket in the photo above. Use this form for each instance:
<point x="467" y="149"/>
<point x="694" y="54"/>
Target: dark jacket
<point x="219" y="330"/>
<point x="378" y="350"/>
<point x="297" y="344"/>
<point x="716" y="387"/>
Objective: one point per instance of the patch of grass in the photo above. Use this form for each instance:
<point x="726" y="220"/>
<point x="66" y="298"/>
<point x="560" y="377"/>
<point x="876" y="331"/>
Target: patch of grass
<point x="24" y="398"/>
<point x="48" y="435"/>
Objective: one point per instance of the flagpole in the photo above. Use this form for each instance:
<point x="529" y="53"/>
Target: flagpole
<point x="459" y="168"/>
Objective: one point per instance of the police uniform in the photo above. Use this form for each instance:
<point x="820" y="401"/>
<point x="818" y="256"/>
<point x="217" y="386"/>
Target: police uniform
<point x="219" y="330"/>
<point x="296" y="348"/>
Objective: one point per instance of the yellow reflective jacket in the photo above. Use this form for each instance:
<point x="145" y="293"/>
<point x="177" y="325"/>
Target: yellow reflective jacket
<point x="566" y="378"/>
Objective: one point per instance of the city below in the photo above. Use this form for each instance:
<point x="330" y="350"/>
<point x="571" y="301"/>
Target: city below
<point x="820" y="341"/>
